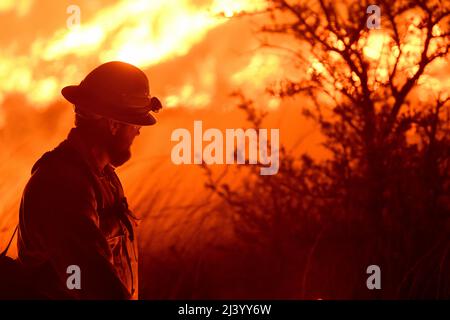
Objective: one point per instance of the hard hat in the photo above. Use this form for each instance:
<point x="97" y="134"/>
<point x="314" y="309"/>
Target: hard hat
<point x="115" y="90"/>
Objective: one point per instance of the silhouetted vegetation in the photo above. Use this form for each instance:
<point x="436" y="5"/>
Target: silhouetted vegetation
<point x="382" y="196"/>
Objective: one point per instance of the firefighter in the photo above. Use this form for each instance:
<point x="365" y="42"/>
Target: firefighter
<point x="76" y="233"/>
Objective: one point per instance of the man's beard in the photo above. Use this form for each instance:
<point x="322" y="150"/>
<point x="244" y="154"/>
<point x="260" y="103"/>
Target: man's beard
<point x="119" y="156"/>
<point x="118" y="149"/>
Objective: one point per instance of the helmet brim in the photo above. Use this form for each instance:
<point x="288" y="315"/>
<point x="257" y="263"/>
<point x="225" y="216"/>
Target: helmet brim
<point x="76" y="96"/>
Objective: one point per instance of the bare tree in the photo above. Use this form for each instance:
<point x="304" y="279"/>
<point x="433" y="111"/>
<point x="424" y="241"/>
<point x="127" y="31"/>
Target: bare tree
<point x="388" y="175"/>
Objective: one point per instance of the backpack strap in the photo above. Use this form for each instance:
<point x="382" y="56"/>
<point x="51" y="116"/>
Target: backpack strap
<point x="4" y="252"/>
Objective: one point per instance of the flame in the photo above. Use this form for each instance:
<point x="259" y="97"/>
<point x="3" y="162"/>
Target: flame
<point x="263" y="70"/>
<point x="375" y="44"/>
<point x="188" y="96"/>
<point x="158" y="31"/>
<point x="229" y="8"/>
<point x="21" y="7"/>
<point x="140" y="32"/>
<point x="147" y="33"/>
<point x="316" y="67"/>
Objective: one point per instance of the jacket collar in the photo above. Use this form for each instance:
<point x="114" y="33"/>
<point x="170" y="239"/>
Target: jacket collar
<point x="77" y="142"/>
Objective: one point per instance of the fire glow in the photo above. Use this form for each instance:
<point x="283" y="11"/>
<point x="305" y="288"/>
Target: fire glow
<point x="140" y="32"/>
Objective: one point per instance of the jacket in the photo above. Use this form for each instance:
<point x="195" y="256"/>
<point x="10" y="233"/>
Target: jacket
<point x="72" y="213"/>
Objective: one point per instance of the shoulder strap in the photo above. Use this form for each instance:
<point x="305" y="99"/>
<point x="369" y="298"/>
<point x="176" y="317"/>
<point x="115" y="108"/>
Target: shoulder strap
<point x="9" y="243"/>
<point x="125" y="215"/>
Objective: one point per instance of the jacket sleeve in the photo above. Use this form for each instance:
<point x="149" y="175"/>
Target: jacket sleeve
<point x="60" y="214"/>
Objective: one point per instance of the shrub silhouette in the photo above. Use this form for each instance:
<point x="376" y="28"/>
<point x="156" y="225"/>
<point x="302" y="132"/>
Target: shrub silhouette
<point x="382" y="196"/>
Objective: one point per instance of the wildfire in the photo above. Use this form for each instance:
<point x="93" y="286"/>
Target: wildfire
<point x="263" y="70"/>
<point x="147" y="33"/>
<point x="141" y="32"/>
<point x="20" y="7"/>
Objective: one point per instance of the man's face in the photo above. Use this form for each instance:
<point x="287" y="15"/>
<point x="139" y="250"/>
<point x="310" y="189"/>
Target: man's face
<point x="120" y="143"/>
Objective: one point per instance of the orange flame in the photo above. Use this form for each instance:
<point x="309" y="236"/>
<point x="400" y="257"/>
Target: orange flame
<point x="141" y="32"/>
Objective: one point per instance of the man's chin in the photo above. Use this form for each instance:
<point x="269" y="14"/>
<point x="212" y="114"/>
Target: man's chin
<point x="119" y="159"/>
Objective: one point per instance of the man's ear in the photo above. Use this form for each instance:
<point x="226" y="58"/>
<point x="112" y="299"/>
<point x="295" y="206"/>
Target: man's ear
<point x="113" y="126"/>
